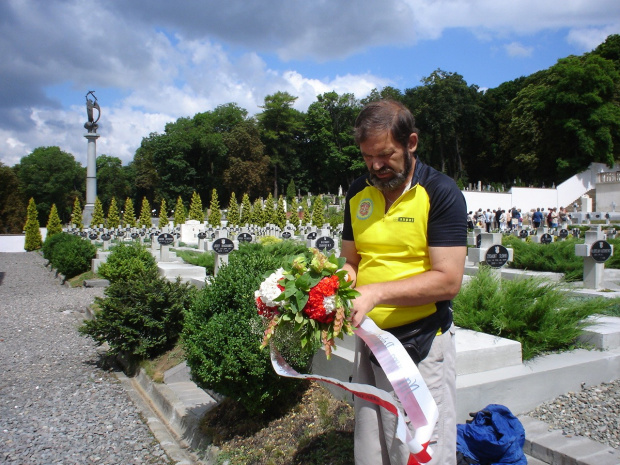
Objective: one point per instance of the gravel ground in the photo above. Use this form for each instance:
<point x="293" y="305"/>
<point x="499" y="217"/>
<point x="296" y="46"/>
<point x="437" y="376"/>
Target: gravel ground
<point x="593" y="412"/>
<point x="57" y="406"/>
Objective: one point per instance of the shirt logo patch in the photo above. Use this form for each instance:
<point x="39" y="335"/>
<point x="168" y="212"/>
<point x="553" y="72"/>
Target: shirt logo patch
<point x="405" y="219"/>
<point x="365" y="209"/>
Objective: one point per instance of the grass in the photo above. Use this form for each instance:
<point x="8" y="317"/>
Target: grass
<point x="205" y="259"/>
<point x="156" y="367"/>
<point x="78" y="281"/>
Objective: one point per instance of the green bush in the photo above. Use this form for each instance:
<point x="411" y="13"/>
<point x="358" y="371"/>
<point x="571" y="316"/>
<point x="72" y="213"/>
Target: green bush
<point x="537" y="313"/>
<point x="70" y="255"/>
<point x="223" y="332"/>
<point x="127" y="262"/>
<point x="141" y="314"/>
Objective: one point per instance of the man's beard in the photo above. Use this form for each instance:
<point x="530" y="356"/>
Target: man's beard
<point x="395" y="182"/>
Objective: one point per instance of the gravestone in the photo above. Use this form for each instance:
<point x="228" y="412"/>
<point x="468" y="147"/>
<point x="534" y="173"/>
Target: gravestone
<point x="595" y="251"/>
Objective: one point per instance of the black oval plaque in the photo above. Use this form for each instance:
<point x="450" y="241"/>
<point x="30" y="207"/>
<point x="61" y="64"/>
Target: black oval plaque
<point x="478" y="240"/>
<point x="576" y="232"/>
<point x="223" y="246"/>
<point x="600" y="251"/>
<point x="286" y="235"/>
<point x="563" y="233"/>
<point x="496" y="256"/>
<point x="324" y="243"/>
<point x="312" y="235"/>
<point x="245" y="237"/>
<point x="202" y="235"/>
<point x="142" y="233"/>
<point x="135" y="235"/>
<point x="165" y="239"/>
<point x="546" y="238"/>
<point x="523" y="234"/>
<point x="106" y="237"/>
<point x="93" y="237"/>
<point x="84" y="234"/>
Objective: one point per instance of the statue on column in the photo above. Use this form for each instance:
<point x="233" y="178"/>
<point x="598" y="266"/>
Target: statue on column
<point x="91" y="124"/>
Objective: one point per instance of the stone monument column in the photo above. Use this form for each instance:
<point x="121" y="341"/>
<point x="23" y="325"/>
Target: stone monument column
<point x="91" y="160"/>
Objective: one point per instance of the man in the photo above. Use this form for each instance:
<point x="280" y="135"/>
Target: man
<point x="537" y="218"/>
<point x="405" y="243"/>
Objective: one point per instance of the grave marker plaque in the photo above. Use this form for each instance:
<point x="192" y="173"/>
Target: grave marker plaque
<point x="165" y="239"/>
<point x="478" y="241"/>
<point x="546" y="238"/>
<point x="312" y="235"/>
<point x="523" y="234"/>
<point x="223" y="246"/>
<point x="245" y="237"/>
<point x="286" y="235"/>
<point x="496" y="256"/>
<point x="600" y="251"/>
<point x="563" y="233"/>
<point x="325" y="243"/>
<point x="106" y="237"/>
<point x="202" y="235"/>
<point x="93" y="237"/>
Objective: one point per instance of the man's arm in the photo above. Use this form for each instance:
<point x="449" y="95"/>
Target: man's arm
<point x="441" y="282"/>
<point x="349" y="251"/>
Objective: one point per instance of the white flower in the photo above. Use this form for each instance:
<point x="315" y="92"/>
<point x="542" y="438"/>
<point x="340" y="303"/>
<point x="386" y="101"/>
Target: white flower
<point x="269" y="290"/>
<point x="329" y="302"/>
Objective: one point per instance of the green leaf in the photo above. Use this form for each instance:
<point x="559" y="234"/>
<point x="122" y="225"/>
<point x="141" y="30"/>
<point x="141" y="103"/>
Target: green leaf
<point x="299" y="318"/>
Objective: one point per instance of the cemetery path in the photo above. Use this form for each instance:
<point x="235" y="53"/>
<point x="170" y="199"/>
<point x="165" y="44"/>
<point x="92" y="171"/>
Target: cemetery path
<point x="57" y="405"/>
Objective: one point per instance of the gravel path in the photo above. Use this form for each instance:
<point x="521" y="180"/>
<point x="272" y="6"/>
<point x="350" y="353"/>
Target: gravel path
<point x="56" y="405"/>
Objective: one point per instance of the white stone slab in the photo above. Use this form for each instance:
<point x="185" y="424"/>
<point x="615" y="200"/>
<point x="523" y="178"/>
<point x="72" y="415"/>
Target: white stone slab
<point x="603" y="334"/>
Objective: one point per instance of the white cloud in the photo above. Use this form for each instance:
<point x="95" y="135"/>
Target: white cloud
<point x="587" y="39"/>
<point x="516" y="49"/>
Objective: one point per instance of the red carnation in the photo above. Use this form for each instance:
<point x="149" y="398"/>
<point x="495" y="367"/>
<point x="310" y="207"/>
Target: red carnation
<point x="314" y="307"/>
<point x="264" y="310"/>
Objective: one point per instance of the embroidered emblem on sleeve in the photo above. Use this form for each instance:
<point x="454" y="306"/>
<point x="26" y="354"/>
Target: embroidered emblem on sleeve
<point x="365" y="209"/>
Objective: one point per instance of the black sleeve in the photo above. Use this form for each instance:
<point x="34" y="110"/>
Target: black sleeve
<point x="447" y="221"/>
<point x="347" y="229"/>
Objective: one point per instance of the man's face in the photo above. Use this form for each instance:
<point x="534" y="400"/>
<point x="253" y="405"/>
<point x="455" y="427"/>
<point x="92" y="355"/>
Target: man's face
<point x="388" y="162"/>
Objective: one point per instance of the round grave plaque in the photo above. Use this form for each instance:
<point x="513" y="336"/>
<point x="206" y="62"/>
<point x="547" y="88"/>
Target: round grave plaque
<point x="312" y="235"/>
<point x="84" y="234"/>
<point x="496" y="256"/>
<point x="245" y="237"/>
<point x="600" y="251"/>
<point x="202" y="235"/>
<point x="106" y="237"/>
<point x="135" y="235"/>
<point x="546" y="238"/>
<point x="142" y="233"/>
<point x="324" y="243"/>
<point x="223" y="246"/>
<point x="165" y="239"/>
<point x="563" y="233"/>
<point x="286" y="235"/>
<point x="93" y="236"/>
<point x="523" y="234"/>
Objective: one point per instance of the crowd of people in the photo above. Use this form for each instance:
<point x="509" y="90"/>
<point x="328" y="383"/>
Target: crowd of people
<point x="505" y="220"/>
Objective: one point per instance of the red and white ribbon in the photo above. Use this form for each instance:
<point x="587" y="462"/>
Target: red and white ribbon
<point x="406" y="380"/>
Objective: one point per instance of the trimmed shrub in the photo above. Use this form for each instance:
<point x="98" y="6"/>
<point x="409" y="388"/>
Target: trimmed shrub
<point x="127" y="262"/>
<point x="223" y="332"/>
<point x="33" y="240"/>
<point x="70" y="255"/>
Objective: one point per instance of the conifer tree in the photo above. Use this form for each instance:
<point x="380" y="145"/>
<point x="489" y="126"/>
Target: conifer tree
<point x="97" y="218"/>
<point x="291" y="191"/>
<point x="76" y="215"/>
<point x="246" y="210"/>
<point x="145" y="214"/>
<point x="195" y="208"/>
<point x="269" y="211"/>
<point x="215" y="214"/>
<point x="233" y="211"/>
<point x="258" y="217"/>
<point x="129" y="217"/>
<point x="114" y="219"/>
<point x="54" y="226"/>
<point x="318" y="219"/>
<point x="179" y="212"/>
<point x="305" y="213"/>
<point x="294" y="218"/>
<point x="280" y="214"/>
<point x="163" y="214"/>
<point x="33" y="240"/>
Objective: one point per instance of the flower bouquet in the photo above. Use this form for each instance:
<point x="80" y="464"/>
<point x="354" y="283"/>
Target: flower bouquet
<point x="314" y="299"/>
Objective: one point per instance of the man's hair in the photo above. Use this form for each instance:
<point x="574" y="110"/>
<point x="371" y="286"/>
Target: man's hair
<point x="385" y="115"/>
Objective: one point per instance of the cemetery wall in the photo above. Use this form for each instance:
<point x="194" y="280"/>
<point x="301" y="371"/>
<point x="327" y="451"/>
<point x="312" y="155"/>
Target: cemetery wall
<point x="10" y="243"/>
<point x="608" y="197"/>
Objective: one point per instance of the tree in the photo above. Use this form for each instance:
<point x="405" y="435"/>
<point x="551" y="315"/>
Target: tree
<point x="145" y="214"/>
<point x="129" y="215"/>
<point x="387" y="92"/>
<point x="282" y="128"/>
<point x="233" y="211"/>
<point x="97" y="218"/>
<point x="258" y="217"/>
<point x="280" y="219"/>
<point x="12" y="203"/>
<point x="33" y="240"/>
<point x="294" y="218"/>
<point x="269" y="210"/>
<point x="114" y="219"/>
<point x="215" y="214"/>
<point x="111" y="179"/>
<point x="291" y="190"/>
<point x="179" y="212"/>
<point x="306" y="218"/>
<point x="54" y="226"/>
<point x="49" y="175"/>
<point x="163" y="214"/>
<point x="195" y="208"/>
<point x="76" y="215"/>
<point x="246" y="211"/>
<point x="318" y="217"/>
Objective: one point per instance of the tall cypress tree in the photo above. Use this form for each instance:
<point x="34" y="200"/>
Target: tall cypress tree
<point x="246" y="210"/>
<point x="195" y="208"/>
<point x="269" y="211"/>
<point x="258" y="216"/>
<point x="33" y="240"/>
<point x="113" y="219"/>
<point x="129" y="217"/>
<point x="54" y="226"/>
<point x="76" y="215"/>
<point x="294" y="218"/>
<point x="97" y="218"/>
<point x="145" y="214"/>
<point x="318" y="218"/>
<point x="280" y="213"/>
<point x="163" y="214"/>
<point x="233" y="211"/>
<point x="179" y="212"/>
<point x="215" y="215"/>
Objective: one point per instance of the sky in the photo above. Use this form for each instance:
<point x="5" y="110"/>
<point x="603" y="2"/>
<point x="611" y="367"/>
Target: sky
<point x="150" y="62"/>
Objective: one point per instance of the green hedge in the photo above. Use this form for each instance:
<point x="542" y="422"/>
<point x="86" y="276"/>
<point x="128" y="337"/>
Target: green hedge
<point x="70" y="255"/>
